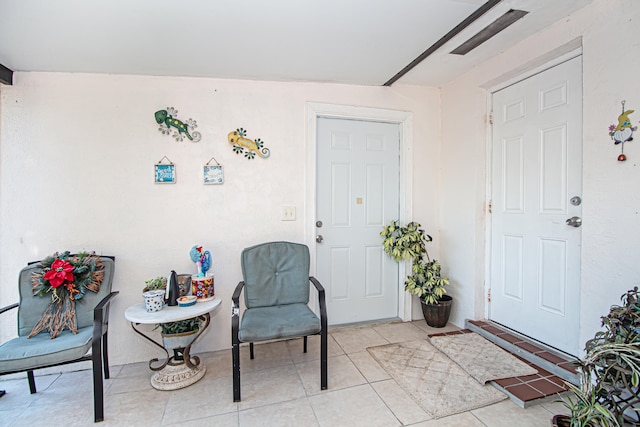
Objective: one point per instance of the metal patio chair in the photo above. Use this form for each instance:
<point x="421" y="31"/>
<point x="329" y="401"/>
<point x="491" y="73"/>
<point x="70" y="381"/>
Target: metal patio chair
<point x="276" y="295"/>
<point x="23" y="354"/>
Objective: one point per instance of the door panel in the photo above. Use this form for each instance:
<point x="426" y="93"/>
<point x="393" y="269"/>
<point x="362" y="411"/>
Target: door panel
<point x="357" y="193"/>
<point x="536" y="170"/>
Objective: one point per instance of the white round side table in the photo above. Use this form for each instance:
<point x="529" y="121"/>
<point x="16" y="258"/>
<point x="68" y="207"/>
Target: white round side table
<point x="182" y="369"/>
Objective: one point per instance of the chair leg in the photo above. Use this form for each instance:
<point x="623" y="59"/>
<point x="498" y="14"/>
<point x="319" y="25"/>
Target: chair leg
<point x="32" y="382"/>
<point x="105" y="356"/>
<point x="251" y="350"/>
<point x="304" y="345"/>
<point x="98" y="392"/>
<point x="235" y="350"/>
<point x="323" y="359"/>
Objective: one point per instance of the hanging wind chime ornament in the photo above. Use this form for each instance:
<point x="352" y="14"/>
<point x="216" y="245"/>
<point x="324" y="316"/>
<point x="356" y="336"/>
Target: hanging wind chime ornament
<point x="623" y="132"/>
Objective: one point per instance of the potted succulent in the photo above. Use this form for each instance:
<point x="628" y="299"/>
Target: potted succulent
<point x="609" y="393"/>
<point x="158" y="283"/>
<point x="425" y="281"/>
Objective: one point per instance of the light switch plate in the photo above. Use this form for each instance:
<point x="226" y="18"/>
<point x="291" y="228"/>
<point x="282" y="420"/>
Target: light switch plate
<point x="288" y="213"/>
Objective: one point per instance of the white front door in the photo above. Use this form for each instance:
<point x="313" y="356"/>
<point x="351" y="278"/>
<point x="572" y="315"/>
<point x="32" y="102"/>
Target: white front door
<point x="358" y="183"/>
<point x="536" y="188"/>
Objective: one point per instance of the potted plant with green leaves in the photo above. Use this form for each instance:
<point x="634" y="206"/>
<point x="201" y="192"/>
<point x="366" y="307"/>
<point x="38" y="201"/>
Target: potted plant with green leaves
<point x="585" y="408"/>
<point x="179" y="334"/>
<point x="609" y="392"/>
<point x="157" y="283"/>
<point x="425" y="281"/>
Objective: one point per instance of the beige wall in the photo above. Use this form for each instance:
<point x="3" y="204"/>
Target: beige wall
<point x="77" y="173"/>
<point x="608" y="31"/>
<point x="77" y="154"/>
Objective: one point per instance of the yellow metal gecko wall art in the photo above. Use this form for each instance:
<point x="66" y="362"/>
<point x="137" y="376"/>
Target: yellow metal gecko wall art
<point x="249" y="147"/>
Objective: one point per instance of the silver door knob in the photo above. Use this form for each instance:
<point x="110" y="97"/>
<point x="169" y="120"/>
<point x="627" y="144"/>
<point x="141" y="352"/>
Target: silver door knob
<point x="319" y="238"/>
<point x="574" y="221"/>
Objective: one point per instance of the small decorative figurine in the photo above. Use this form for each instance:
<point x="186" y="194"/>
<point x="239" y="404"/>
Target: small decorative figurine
<point x="240" y="143"/>
<point x="202" y="259"/>
<point x="623" y="132"/>
<point x="166" y="119"/>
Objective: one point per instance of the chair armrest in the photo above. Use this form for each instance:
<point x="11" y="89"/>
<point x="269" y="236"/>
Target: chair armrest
<point x="98" y="335"/>
<point x="106" y="300"/>
<point x="235" y="315"/>
<point x="98" y="320"/>
<point x="236" y="294"/>
<point x="318" y="286"/>
<point x="321" y="300"/>
<point x="9" y="307"/>
<point x="98" y="311"/>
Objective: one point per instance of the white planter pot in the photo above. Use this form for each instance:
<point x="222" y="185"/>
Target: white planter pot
<point x="171" y="341"/>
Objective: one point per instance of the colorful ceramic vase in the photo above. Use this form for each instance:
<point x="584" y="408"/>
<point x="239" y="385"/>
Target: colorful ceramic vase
<point x="202" y="288"/>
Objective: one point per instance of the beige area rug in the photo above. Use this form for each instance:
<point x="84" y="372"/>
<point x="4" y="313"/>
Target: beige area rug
<point x="435" y="382"/>
<point x="481" y="358"/>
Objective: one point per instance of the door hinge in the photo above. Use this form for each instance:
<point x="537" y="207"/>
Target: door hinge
<point x="490" y="118"/>
<point x="489" y="295"/>
<point x="490" y="206"/>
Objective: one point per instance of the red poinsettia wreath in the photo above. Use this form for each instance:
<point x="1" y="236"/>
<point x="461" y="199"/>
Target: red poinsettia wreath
<point x="67" y="278"/>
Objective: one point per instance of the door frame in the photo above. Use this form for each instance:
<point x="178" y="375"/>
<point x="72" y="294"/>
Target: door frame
<point x="405" y="120"/>
<point x="491" y="88"/>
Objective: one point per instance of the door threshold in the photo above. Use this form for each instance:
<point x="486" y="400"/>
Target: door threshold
<point x="555" y="361"/>
<point x="366" y="323"/>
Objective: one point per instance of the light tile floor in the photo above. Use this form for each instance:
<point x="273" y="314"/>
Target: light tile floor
<point x="281" y="387"/>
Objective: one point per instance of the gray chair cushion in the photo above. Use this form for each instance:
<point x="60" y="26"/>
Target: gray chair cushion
<point x="275" y="273"/>
<point x="32" y="307"/>
<point x="24" y="353"/>
<point x="282" y="321"/>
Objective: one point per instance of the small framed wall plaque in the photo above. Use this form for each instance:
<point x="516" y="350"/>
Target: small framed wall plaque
<point x="165" y="173"/>
<point x="213" y="174"/>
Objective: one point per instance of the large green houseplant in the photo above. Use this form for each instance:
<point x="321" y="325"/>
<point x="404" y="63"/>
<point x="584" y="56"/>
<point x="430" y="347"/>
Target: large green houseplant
<point x="425" y="281"/>
<point x="609" y="392"/>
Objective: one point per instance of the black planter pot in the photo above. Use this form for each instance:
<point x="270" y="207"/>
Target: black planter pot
<point x="437" y="315"/>
<point x="561" y="421"/>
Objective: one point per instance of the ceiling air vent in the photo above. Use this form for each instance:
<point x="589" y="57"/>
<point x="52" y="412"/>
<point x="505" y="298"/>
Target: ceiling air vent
<point x="489" y="31"/>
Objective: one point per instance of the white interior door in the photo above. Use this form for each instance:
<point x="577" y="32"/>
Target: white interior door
<point x="358" y="179"/>
<point x="536" y="186"/>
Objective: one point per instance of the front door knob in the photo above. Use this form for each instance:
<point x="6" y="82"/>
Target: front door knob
<point x="574" y="221"/>
<point x="319" y="238"/>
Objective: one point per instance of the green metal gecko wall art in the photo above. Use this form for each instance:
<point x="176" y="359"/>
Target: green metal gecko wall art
<point x="247" y="146"/>
<point x="167" y="120"/>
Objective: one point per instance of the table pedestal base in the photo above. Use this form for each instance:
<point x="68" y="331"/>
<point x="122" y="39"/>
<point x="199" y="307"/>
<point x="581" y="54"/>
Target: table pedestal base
<point x="174" y="377"/>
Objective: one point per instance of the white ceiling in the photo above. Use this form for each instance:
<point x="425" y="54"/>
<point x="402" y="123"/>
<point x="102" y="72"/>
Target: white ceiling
<point x="346" y="41"/>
